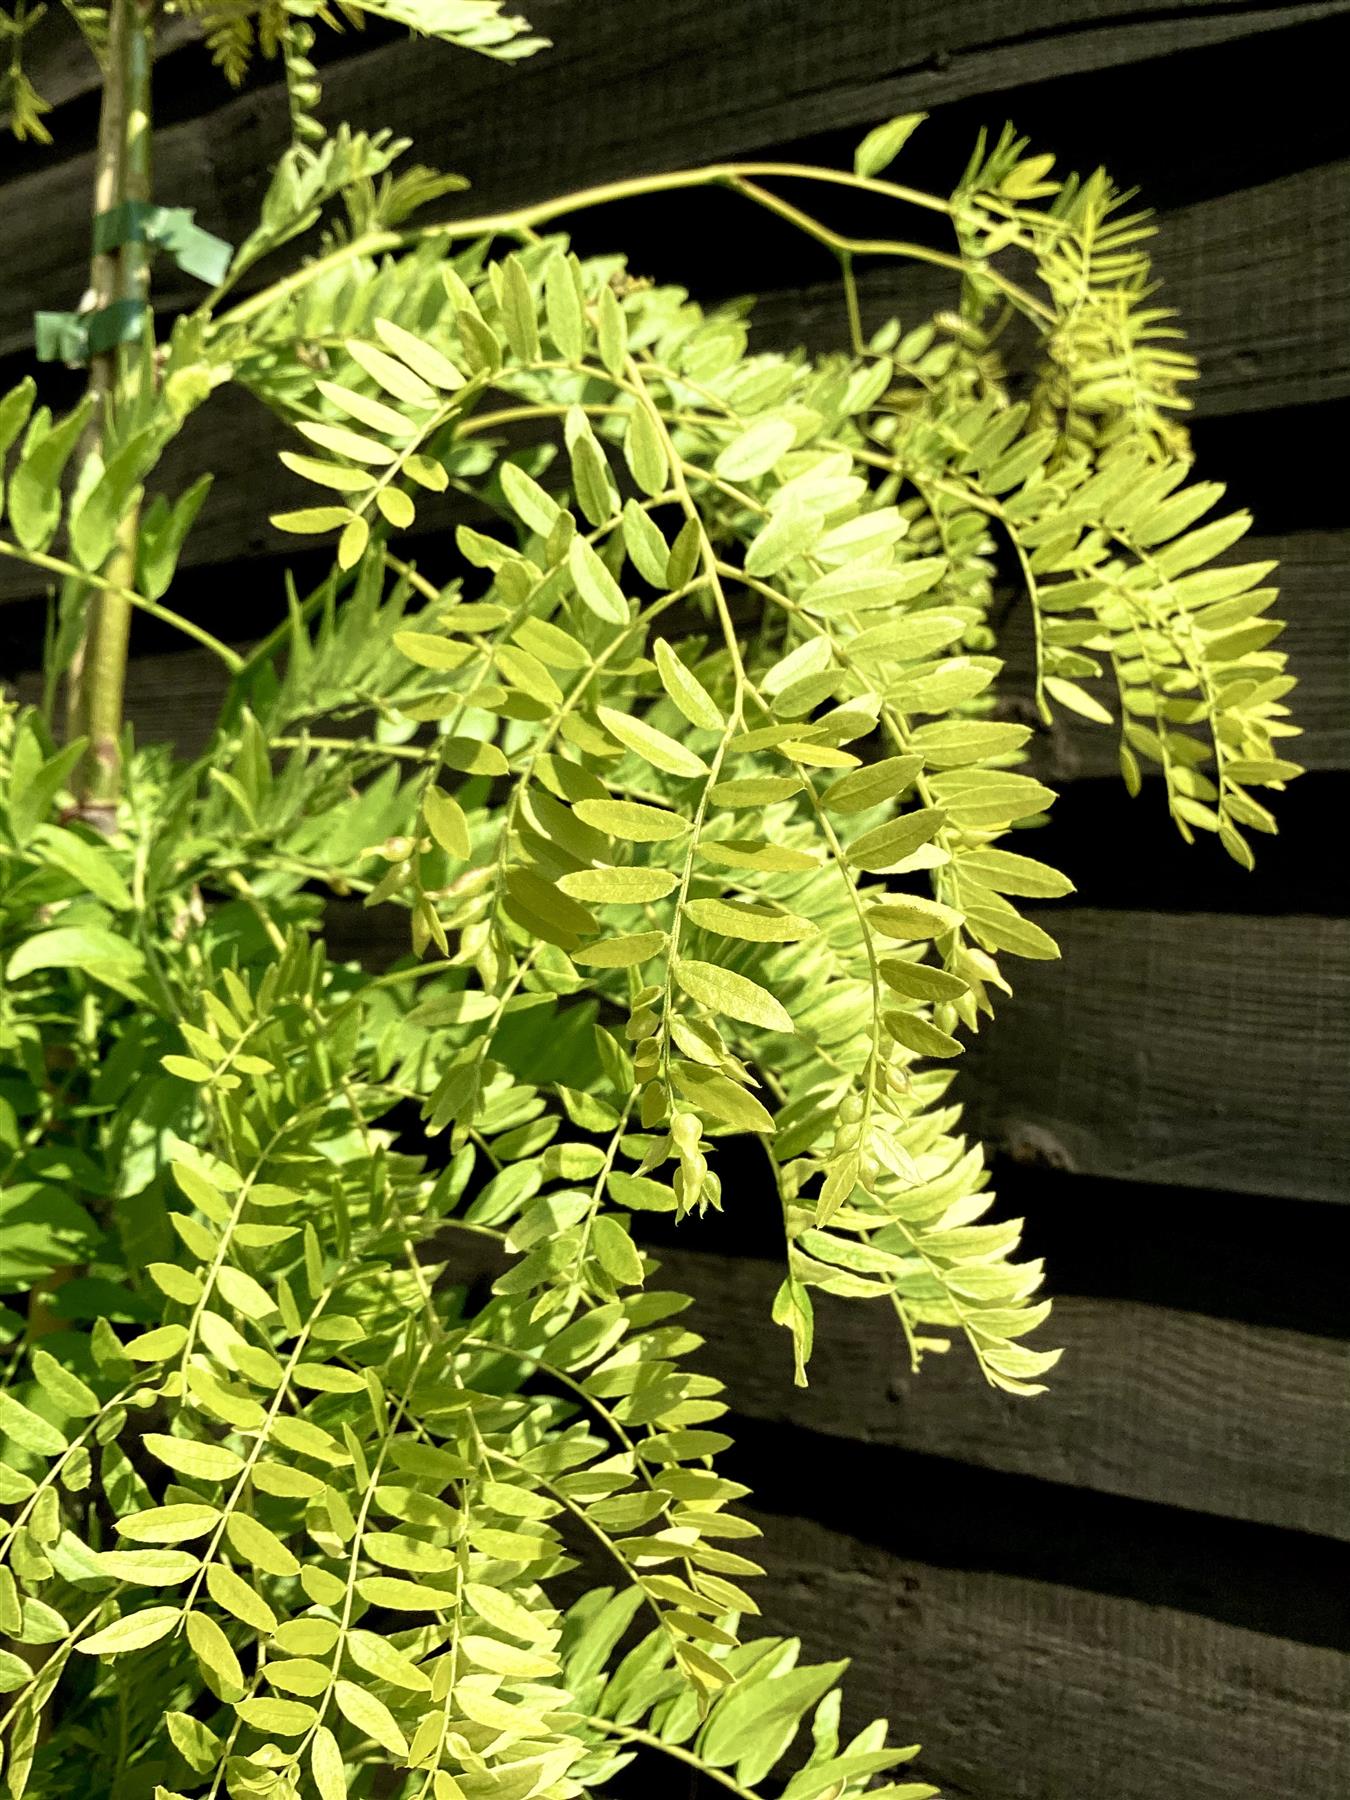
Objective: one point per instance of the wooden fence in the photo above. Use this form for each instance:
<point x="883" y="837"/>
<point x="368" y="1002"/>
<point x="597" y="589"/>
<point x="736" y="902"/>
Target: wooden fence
<point x="1136" y="1585"/>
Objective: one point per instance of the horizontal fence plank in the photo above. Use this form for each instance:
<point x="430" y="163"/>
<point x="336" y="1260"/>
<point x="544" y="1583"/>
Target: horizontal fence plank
<point x="1199" y="1050"/>
<point x="695" y="84"/>
<point x="1210" y="1414"/>
<point x="1024" y="1689"/>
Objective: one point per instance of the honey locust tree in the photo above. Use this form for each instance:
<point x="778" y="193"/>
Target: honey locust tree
<point x="686" y="787"/>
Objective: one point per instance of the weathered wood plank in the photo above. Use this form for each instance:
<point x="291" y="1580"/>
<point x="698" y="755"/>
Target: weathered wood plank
<point x="1189" y="1249"/>
<point x="1256" y="349"/>
<point x="1214" y="1415"/>
<point x="1022" y="1689"/>
<point x="1200" y="1050"/>
<point x="688" y="85"/>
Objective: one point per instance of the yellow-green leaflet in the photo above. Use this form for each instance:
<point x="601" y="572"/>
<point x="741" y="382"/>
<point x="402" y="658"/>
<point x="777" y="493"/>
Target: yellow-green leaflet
<point x="380" y="1659"/>
<point x="277" y="1718"/>
<point x="685" y="689"/>
<point x="621" y="952"/>
<point x="888" y="844"/>
<point x="149" y="1568"/>
<point x="422" y="358"/>
<point x="326" y="1765"/>
<point x="595" y="585"/>
<point x="446" y="823"/>
<point x="723" y="991"/>
<point x="918" y="1035"/>
<point x="632" y="819"/>
<point x="913" y="916"/>
<point x="206" y="1462"/>
<point x="756" y="450"/>
<point x="215" y="1654"/>
<point x="168" y="1524"/>
<point x="725" y="1102"/>
<point x="920" y="981"/>
<point x="136" y="1631"/>
<point x="1008" y="873"/>
<point x="616" y="1251"/>
<point x="370" y="1716"/>
<point x="861" y="589"/>
<point x="394" y="376"/>
<point x="645" y="452"/>
<point x="532" y="504"/>
<point x="756" y="924"/>
<point x="618" y="887"/>
<point x="873" y="784"/>
<point x="28" y="1429"/>
<point x="231" y="1591"/>
<point x="254" y="1543"/>
<point x="506" y="1614"/>
<point x="651" y="745"/>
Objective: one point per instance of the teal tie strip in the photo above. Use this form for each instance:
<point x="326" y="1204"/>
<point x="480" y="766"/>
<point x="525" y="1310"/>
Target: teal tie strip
<point x="74" y="337"/>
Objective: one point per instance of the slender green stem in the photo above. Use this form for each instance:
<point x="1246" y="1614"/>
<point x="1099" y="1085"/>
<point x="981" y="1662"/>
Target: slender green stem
<point x="103" y="658"/>
<point x="108" y="177"/>
<point x="55" y="565"/>
<point x="739" y="177"/>
<point x="628" y="1734"/>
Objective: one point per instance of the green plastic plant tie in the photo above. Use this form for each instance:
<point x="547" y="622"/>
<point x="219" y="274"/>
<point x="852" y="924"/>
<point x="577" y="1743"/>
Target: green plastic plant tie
<point x="196" y="252"/>
<point x="74" y="337"/>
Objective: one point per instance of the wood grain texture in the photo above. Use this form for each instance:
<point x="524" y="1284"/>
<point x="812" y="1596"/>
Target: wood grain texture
<point x="1023" y="1689"/>
<point x="1208" y="1414"/>
<point x="1199" y="1050"/>
<point x="686" y="84"/>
